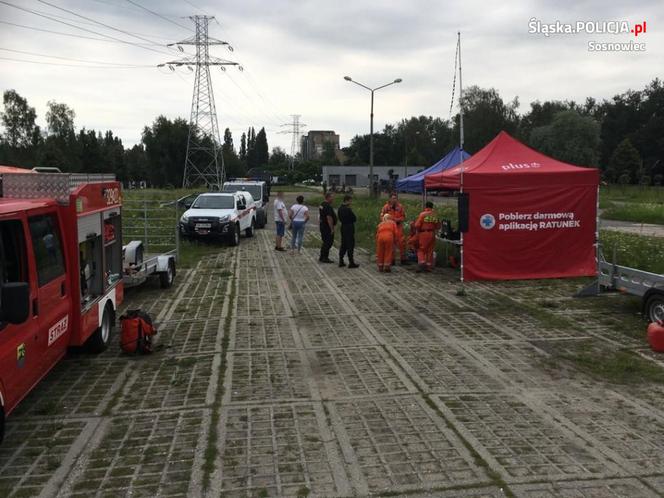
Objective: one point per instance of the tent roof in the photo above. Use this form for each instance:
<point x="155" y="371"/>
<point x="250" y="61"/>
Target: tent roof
<point x="415" y="183"/>
<point x="506" y="162"/>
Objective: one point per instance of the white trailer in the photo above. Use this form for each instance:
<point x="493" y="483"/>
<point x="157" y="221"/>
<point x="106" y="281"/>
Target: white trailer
<point x="646" y="285"/>
<point x="153" y="241"/>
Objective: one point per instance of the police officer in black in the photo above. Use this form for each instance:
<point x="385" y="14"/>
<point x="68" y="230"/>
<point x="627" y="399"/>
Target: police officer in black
<point x="347" y="219"/>
<point x="328" y="220"/>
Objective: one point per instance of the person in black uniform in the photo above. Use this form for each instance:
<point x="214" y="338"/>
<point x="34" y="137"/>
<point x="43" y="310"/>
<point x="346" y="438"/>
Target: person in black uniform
<point x="328" y="220"/>
<point x="347" y="219"/>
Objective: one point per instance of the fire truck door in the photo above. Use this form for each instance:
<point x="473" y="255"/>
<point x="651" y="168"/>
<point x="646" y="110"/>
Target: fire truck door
<point x="52" y="304"/>
<point x="19" y="359"/>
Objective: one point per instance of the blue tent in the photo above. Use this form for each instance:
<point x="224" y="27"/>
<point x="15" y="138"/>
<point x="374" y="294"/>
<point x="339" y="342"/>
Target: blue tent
<point x="415" y="183"/>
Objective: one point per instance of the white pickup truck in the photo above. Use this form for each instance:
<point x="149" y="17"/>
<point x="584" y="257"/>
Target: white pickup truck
<point x="221" y="215"/>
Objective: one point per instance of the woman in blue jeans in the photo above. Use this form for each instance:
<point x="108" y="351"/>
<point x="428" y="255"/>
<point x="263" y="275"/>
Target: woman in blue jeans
<point x="299" y="216"/>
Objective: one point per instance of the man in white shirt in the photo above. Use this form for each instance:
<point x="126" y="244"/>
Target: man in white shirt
<point x="280" y="216"/>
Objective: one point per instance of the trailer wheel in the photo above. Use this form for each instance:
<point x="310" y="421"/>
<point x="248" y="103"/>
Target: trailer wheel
<point x="654" y="307"/>
<point x="167" y="277"/>
<point x="249" y="232"/>
<point x="101" y="338"/>
<point x="235" y="237"/>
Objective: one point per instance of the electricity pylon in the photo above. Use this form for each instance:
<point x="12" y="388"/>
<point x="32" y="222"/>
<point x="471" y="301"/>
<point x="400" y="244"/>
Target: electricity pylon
<point x="204" y="163"/>
<point x="295" y="131"/>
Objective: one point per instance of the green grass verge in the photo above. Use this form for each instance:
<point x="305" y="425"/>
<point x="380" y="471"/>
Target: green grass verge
<point x="635" y="251"/>
<point x="618" y="367"/>
<point x="631" y="193"/>
<point x="636" y="212"/>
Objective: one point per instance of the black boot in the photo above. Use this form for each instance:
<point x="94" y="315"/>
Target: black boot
<point x="341" y="263"/>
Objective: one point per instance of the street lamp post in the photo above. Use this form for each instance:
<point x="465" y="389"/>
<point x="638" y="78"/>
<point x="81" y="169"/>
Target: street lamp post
<point x="371" y="136"/>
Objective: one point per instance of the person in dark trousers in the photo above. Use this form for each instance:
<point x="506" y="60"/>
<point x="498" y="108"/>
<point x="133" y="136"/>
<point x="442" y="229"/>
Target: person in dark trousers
<point x="347" y="219"/>
<point x="328" y="220"/>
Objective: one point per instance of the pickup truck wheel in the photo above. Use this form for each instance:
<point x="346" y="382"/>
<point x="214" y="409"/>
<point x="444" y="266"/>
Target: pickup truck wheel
<point x="235" y="236"/>
<point x="166" y="278"/>
<point x="101" y="338"/>
<point x="249" y="232"/>
<point x="262" y="219"/>
<point x="654" y="307"/>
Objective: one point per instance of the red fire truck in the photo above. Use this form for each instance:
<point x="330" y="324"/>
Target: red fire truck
<point x="60" y="272"/>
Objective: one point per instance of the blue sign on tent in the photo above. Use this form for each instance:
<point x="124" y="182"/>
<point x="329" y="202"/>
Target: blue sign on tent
<point x="415" y="183"/>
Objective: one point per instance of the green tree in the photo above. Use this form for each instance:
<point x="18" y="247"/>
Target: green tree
<point x="261" y="149"/>
<point x="136" y="163"/>
<point x="18" y="120"/>
<point x="485" y="114"/>
<point x="165" y="145"/>
<point x="227" y="146"/>
<point x="570" y="137"/>
<point x="625" y="163"/>
<point x="60" y="119"/>
<point x="243" y="148"/>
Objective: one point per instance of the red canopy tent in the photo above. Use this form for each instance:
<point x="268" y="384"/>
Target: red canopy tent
<point x="530" y="216"/>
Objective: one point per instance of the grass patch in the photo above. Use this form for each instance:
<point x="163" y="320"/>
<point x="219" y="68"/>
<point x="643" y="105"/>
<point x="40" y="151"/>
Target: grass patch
<point x="211" y="450"/>
<point x="191" y="252"/>
<point x="618" y="367"/>
<point x="636" y="251"/>
<point x="636" y="212"/>
<point x="630" y="193"/>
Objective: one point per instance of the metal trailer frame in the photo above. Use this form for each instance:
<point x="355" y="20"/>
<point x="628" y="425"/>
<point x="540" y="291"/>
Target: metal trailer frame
<point x="162" y="264"/>
<point x="646" y="285"/>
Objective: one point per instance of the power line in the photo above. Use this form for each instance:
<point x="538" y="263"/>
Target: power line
<point x="85" y="29"/>
<point x="107" y="26"/>
<point x="70" y="58"/>
<point x="159" y="15"/>
<point x="12" y="59"/>
<point x="57" y="32"/>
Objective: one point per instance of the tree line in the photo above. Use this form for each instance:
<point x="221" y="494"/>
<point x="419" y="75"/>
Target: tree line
<point x="622" y="136"/>
<point x="158" y="159"/>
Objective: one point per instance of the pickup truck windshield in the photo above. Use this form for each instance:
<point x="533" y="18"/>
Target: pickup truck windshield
<point x="254" y="190"/>
<point x="214" y="202"/>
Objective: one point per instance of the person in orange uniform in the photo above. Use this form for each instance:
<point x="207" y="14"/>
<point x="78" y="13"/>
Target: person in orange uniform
<point x="427" y="224"/>
<point x="398" y="214"/>
<point x="413" y="239"/>
<point x="386" y="234"/>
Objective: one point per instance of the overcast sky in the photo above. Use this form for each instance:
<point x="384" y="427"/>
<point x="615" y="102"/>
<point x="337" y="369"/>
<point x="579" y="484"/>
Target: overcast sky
<point x="295" y="54"/>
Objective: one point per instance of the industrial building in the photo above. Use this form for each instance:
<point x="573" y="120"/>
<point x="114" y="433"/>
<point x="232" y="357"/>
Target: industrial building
<point x="358" y="176"/>
<point x="313" y="144"/>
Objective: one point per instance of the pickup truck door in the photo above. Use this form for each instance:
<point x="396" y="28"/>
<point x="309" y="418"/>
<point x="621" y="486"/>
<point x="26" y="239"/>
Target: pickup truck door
<point x="19" y="356"/>
<point x="240" y="207"/>
<point x="52" y="304"/>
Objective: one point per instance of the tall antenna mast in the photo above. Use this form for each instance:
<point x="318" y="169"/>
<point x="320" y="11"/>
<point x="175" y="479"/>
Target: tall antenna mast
<point x="461" y="151"/>
<point x="204" y="162"/>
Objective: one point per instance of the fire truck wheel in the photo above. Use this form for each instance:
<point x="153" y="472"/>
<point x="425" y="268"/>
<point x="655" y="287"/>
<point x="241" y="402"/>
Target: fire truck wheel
<point x="235" y="237"/>
<point x="166" y="278"/>
<point x="101" y="337"/>
<point x="654" y="307"/>
<point x="249" y="232"/>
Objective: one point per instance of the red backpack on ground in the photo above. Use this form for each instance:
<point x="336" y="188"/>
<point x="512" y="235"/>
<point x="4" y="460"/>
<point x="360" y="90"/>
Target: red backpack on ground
<point x="137" y="332"/>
